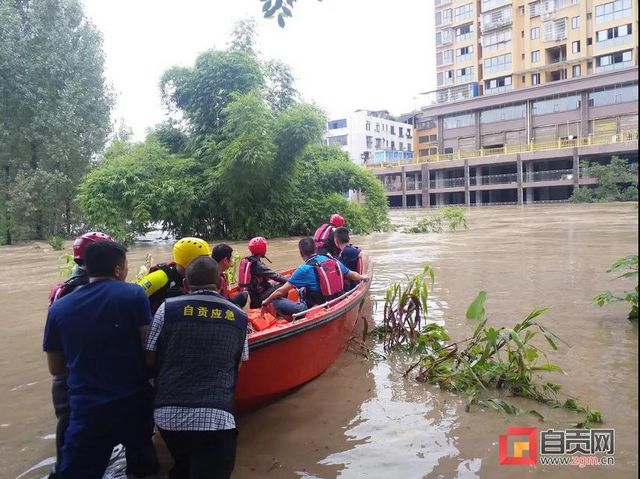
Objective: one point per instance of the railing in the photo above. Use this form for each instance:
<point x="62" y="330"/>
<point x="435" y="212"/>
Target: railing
<point x="447" y="183"/>
<point x="493" y="179"/>
<point x="392" y="186"/>
<point x="549" y="175"/>
<point x="601" y="139"/>
<point x="414" y="185"/>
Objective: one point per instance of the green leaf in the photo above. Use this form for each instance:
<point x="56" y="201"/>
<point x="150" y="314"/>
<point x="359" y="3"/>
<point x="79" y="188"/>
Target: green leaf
<point x="476" y="309"/>
<point x="546" y="367"/>
<point x="281" y="20"/>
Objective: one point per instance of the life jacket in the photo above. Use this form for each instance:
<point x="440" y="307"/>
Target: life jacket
<point x="244" y="273"/>
<point x="224" y="286"/>
<point x="329" y="277"/>
<point x="261" y="320"/>
<point x="321" y="236"/>
<point x="173" y="287"/>
<point x="359" y="266"/>
<point x="79" y="278"/>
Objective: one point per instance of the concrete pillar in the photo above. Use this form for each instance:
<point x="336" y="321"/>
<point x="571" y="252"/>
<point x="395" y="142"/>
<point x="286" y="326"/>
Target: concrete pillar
<point x="529" y="117"/>
<point x="528" y="178"/>
<point x="403" y="182"/>
<point x="576" y="169"/>
<point x="426" y="197"/>
<point x="584" y="114"/>
<point x="440" y="134"/>
<point x="476" y="118"/>
<point x="519" y="179"/>
<point x="467" y="194"/>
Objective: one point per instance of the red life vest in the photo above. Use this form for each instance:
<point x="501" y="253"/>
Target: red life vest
<point x="224" y="287"/>
<point x="321" y="235"/>
<point x="329" y="276"/>
<point x="244" y="273"/>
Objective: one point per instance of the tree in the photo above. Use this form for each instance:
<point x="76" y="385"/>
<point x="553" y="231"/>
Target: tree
<point x="243" y="37"/>
<point x="55" y="110"/>
<point x="617" y="181"/>
<point x="280" y="93"/>
<point x="272" y="7"/>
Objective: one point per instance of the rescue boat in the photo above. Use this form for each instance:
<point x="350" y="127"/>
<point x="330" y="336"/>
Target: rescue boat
<point x="285" y="356"/>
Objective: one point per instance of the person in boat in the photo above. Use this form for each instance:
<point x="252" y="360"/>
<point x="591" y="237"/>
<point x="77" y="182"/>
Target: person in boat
<point x="351" y="256"/>
<point x="319" y="279"/>
<point x="196" y="344"/>
<point x="323" y="237"/>
<point x="254" y="276"/>
<point x="165" y="280"/>
<point x="94" y="337"/>
<point x="222" y="253"/>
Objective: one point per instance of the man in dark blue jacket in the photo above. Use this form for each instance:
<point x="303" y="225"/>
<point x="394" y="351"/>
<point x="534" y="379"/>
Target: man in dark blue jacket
<point x="196" y="344"/>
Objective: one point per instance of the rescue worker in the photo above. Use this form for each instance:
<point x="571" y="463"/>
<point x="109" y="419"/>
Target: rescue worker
<point x="323" y="237"/>
<point x="254" y="275"/>
<point x="351" y="256"/>
<point x="165" y="280"/>
<point x="94" y="336"/>
<point x="316" y="288"/>
<point x="223" y="254"/>
<point x="196" y="342"/>
<point x="59" y="389"/>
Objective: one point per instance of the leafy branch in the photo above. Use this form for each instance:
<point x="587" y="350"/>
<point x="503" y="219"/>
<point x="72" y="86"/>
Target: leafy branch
<point x="629" y="265"/>
<point x="280" y="7"/>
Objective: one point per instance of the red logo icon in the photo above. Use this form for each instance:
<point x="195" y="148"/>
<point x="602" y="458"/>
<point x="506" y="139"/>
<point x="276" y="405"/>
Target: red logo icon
<point x="519" y="446"/>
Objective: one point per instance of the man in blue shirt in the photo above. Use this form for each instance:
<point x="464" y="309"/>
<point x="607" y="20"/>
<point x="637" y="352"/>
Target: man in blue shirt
<point x="95" y="335"/>
<point x="305" y="278"/>
<point x="348" y="255"/>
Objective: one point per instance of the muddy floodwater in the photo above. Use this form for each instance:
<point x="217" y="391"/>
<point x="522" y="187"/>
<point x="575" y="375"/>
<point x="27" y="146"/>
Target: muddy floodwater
<point x="362" y="418"/>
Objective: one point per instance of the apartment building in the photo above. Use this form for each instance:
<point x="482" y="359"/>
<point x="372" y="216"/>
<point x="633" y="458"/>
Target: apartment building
<point x="528" y="92"/>
<point x="371" y="137"/>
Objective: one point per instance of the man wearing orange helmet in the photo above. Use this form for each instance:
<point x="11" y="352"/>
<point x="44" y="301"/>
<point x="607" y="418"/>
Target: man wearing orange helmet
<point x="254" y="275"/>
<point x="323" y="237"/>
<point x="165" y="280"/>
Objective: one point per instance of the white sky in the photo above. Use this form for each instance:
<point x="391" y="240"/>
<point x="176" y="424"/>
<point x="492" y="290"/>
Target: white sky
<point x="345" y="54"/>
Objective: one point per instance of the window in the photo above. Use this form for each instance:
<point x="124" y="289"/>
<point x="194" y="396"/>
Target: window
<point x="433" y="138"/>
<point x="497" y="85"/>
<point x="400" y="146"/>
<point x="613" y="95"/>
<point x="576" y="71"/>
<point x="613" y="11"/>
<point x="496" y="40"/>
<point x="444" y="58"/>
<point x="535" y="56"/>
<point x="504" y="113"/>
<point x="445" y="78"/>
<point x="613" y="36"/>
<point x="575" y="47"/>
<point x="465" y="74"/>
<point x="575" y="22"/>
<point x="555" y="104"/>
<point x="369" y="142"/>
<point x="377" y="126"/>
<point x="535" y="79"/>
<point x="613" y="61"/>
<point x="496" y="18"/>
<point x="458" y="121"/>
<point x="491" y="4"/>
<point x="575" y="2"/>
<point x="423" y="139"/>
<point x="393" y="145"/>
<point x="392" y="129"/>
<point x="337" y="140"/>
<point x="589" y="40"/>
<point x="464" y="54"/>
<point x="521" y="10"/>
<point x="497" y="64"/>
<point x="443" y="17"/>
<point x="465" y="32"/>
<point x="465" y="12"/>
<point x="367" y="126"/>
<point x="400" y="132"/>
<point x="535" y="33"/>
<point x="444" y="37"/>
<point x="334" y="125"/>
<point x="534" y="9"/>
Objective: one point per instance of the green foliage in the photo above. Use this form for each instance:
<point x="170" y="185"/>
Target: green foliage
<point x="503" y="360"/>
<point x="629" y="265"/>
<point x="67" y="266"/>
<point x="617" y="181"/>
<point x="453" y="216"/>
<point x="144" y="268"/>
<point x="231" y="274"/>
<point x="54" y="113"/>
<point x="56" y="243"/>
<point x="272" y="7"/>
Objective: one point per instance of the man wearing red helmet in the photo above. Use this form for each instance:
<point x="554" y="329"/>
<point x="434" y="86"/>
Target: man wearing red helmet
<point x="323" y="237"/>
<point x="254" y="275"/>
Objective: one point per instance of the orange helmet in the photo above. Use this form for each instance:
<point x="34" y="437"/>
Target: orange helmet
<point x="258" y="246"/>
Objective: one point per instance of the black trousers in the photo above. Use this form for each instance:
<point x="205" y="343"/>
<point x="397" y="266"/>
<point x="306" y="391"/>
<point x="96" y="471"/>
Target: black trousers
<point x="240" y="299"/>
<point x="201" y="454"/>
<point x="60" y="397"/>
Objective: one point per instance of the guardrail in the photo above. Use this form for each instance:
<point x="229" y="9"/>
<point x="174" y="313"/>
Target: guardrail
<point x="602" y="139"/>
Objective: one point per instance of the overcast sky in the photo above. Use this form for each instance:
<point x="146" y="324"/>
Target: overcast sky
<point x="345" y="54"/>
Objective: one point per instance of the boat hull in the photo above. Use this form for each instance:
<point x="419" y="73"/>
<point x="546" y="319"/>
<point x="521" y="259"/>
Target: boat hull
<point x="287" y="356"/>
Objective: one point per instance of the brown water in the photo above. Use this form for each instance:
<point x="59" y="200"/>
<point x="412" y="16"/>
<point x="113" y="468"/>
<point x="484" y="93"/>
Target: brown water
<point x="361" y="418"/>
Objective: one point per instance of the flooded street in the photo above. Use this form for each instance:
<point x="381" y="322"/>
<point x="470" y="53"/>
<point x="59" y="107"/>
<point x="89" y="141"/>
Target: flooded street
<point x="362" y="418"/>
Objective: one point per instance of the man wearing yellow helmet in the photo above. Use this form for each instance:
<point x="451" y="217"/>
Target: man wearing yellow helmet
<point x="165" y="279"/>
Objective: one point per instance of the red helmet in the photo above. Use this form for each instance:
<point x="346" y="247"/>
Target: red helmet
<point x="258" y="246"/>
<point x="337" y="220"/>
<point x="81" y="243"/>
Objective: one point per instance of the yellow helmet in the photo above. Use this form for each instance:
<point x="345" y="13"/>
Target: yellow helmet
<point x="186" y="249"/>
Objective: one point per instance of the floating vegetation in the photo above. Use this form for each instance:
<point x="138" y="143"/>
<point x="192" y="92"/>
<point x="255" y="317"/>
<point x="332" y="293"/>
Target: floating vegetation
<point x="492" y="360"/>
<point x="452" y="216"/>
<point x="629" y="265"/>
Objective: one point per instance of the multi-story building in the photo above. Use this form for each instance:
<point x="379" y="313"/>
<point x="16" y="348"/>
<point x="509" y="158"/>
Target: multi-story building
<point x="527" y="91"/>
<point x="371" y="137"/>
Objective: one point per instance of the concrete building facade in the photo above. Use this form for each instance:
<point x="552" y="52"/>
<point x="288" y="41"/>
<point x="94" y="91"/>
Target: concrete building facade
<point x="371" y="137"/>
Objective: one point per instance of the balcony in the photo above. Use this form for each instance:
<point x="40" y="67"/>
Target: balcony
<point x="392" y="187"/>
<point x="413" y="185"/>
<point x="491" y="4"/>
<point x="462" y="92"/>
<point x="441" y="3"/>
<point x="548" y="8"/>
<point x="387" y="156"/>
<point x="503" y="179"/>
<point x="447" y="183"/>
<point x="549" y="175"/>
<point x="555" y="30"/>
